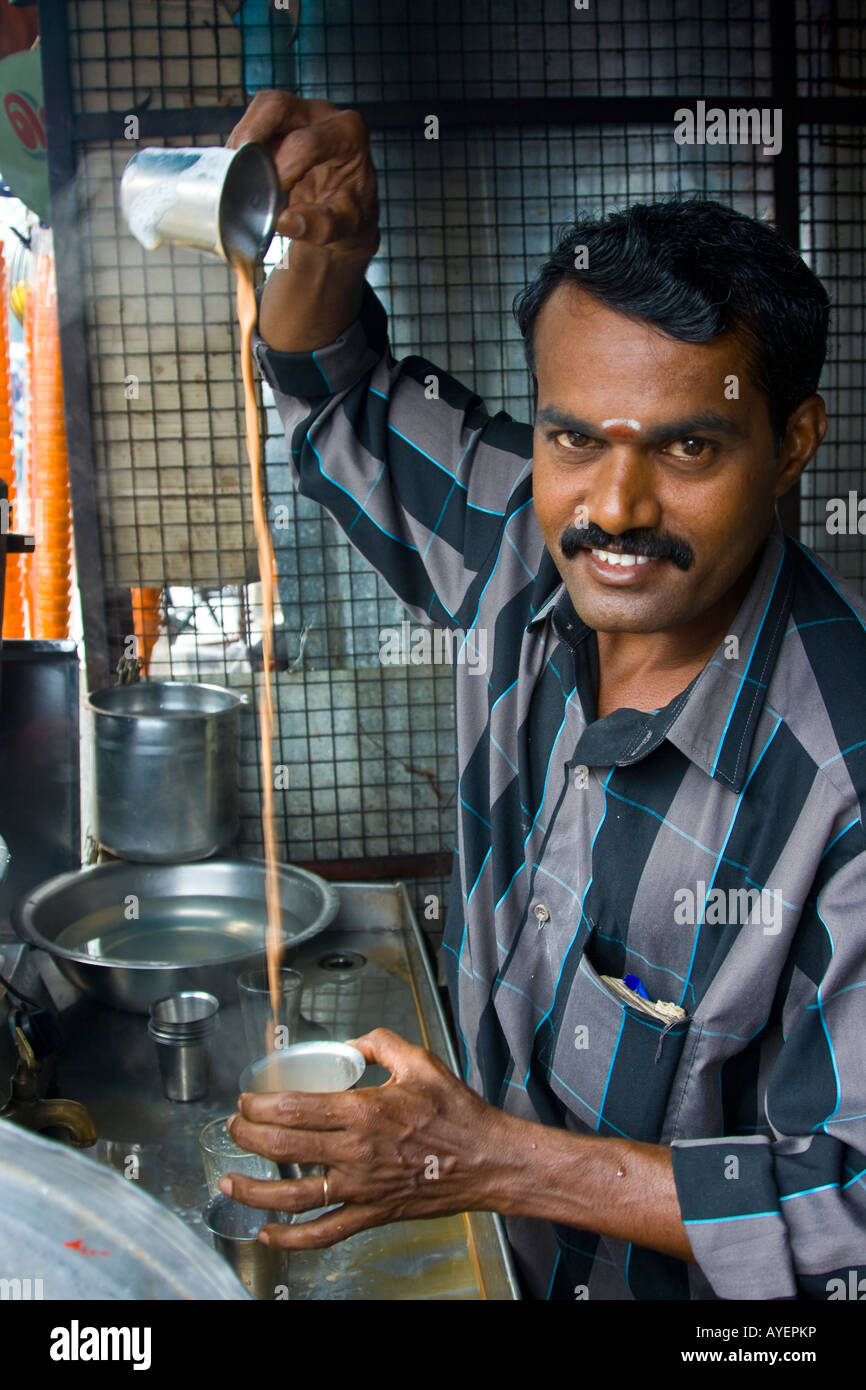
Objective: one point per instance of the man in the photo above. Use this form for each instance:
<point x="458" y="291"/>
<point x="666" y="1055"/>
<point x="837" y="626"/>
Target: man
<point x="661" y="778"/>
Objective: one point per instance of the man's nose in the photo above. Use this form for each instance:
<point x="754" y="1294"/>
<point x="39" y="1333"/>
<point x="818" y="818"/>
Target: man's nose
<point x="621" y="496"/>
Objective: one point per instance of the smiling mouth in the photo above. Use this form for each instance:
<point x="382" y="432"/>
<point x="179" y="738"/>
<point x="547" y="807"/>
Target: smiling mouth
<point x="619" y="568"/>
<point x="619" y="557"/>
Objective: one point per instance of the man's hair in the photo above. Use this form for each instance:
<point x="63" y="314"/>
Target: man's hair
<point x="696" y="269"/>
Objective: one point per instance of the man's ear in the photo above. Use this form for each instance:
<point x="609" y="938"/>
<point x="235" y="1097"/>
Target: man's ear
<point x="806" y="428"/>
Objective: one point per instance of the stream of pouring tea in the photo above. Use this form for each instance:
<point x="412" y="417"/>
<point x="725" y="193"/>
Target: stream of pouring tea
<point x="247" y="316"/>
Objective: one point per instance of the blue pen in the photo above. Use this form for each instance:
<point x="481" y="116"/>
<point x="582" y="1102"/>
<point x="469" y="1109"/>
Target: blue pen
<point x="634" y="983"/>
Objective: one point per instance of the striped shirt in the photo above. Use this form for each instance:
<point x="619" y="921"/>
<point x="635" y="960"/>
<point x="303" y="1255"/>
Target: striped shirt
<point x="715" y="848"/>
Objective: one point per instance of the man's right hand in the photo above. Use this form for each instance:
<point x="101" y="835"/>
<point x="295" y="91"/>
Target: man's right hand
<point x="322" y="156"/>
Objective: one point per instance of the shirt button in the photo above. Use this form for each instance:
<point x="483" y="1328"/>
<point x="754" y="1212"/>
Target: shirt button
<point x="541" y="913"/>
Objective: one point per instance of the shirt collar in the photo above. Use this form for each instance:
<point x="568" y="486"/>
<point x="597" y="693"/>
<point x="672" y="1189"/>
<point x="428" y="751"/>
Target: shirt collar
<point x="545" y="609"/>
<point x="713" y="720"/>
<point x="717" y="725"/>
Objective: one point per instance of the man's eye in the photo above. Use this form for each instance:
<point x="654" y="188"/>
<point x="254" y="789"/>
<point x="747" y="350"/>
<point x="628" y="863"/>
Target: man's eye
<point x="691" y="448"/>
<point x="569" y="440"/>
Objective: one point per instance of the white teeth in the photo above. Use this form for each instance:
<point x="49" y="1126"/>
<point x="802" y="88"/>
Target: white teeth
<point x="611" y="557"/>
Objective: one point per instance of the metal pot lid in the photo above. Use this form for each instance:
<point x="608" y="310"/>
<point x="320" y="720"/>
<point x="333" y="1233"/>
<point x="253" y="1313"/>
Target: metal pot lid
<point x="86" y="1232"/>
<point x="163" y="700"/>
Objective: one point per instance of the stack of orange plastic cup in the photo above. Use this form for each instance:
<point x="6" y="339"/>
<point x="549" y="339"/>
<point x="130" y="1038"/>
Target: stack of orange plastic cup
<point x="29" y="448"/>
<point x="146" y="621"/>
<point x="49" y="478"/>
<point x="13" y="606"/>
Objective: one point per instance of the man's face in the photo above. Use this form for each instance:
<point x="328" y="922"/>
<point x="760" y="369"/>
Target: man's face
<point x="638" y="446"/>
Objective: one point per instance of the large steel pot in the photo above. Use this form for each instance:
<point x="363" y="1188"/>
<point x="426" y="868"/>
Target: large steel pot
<point x="132" y="933"/>
<point x="166" y="770"/>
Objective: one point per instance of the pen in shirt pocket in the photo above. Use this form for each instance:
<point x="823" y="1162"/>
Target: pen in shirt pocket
<point x="635" y="983"/>
<point x="632" y="990"/>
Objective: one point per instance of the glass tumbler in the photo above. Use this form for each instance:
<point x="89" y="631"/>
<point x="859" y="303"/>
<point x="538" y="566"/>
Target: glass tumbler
<point x="262" y="1035"/>
<point x="221" y="1155"/>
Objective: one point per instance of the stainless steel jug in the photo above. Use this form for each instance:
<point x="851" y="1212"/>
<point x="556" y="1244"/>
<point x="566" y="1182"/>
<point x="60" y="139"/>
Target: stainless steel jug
<point x="223" y="201"/>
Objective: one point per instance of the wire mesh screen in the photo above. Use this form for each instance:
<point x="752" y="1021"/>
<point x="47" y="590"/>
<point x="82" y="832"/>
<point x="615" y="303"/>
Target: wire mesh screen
<point x="469" y="219"/>
<point x="364" y="752"/>
<point x="169" y="54"/>
<point x="165" y="396"/>
<point x="831" y="56"/>
<point x="359" y="50"/>
<point x="201" y="52"/>
<point x="832" y="219"/>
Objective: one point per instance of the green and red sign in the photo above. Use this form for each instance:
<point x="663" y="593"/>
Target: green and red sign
<point x="23" y="152"/>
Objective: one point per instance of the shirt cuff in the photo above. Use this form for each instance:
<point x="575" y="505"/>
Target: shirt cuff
<point x="729" y="1204"/>
<point x="336" y="367"/>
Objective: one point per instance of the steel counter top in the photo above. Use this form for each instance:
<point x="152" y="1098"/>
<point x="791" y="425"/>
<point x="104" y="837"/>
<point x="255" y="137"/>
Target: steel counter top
<point x="368" y="969"/>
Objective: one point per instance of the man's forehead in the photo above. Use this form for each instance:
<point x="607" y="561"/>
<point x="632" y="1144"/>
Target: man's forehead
<point x="573" y="327"/>
<point x="604" y="366"/>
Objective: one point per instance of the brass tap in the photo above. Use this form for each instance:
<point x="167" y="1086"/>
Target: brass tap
<point x="25" y="1107"/>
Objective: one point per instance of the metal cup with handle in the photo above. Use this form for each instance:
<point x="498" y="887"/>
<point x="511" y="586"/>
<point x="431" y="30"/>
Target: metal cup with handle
<point x="225" y="201"/>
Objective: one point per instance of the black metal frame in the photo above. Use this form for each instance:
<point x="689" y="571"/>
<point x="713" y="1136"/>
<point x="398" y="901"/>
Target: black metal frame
<point x="65" y="131"/>
<point x="481" y="111"/>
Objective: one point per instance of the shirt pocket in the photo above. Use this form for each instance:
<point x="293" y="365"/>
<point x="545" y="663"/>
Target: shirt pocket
<point x="613" y="1066"/>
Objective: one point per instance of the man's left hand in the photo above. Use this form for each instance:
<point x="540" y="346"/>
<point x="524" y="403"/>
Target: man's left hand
<point x="423" y="1144"/>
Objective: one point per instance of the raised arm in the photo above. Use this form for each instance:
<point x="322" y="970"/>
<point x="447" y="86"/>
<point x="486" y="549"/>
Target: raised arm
<point x="407" y="461"/>
<point x="323" y="159"/>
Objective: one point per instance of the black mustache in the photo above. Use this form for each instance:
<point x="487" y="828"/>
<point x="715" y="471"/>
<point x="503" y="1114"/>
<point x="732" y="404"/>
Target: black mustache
<point x="655" y="547"/>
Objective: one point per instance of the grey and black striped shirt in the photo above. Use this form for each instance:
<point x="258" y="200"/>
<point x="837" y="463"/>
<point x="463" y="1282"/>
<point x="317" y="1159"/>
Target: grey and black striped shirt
<point x="714" y="848"/>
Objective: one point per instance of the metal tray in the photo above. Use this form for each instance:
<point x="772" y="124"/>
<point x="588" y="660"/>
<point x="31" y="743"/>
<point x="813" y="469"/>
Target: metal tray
<point x="368" y="968"/>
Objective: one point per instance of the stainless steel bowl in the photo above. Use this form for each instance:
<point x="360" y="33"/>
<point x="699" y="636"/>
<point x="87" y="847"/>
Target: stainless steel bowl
<point x="132" y="933"/>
